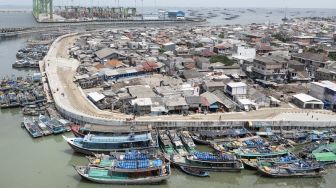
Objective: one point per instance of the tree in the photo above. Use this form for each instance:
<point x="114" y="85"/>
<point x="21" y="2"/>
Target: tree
<point x="332" y="56"/>
<point x="199" y="45"/>
<point x="281" y="37"/>
<point x="222" y="59"/>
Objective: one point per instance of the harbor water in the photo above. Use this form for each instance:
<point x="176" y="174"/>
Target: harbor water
<point x="47" y="162"/>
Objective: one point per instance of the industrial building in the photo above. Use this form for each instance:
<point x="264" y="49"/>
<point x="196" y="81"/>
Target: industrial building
<point x="307" y="102"/>
<point x="324" y="91"/>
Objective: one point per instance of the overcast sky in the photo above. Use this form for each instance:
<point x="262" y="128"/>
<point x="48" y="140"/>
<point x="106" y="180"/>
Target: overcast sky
<point x="198" y="3"/>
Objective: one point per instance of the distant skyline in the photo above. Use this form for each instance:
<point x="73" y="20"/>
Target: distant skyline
<point x="193" y="3"/>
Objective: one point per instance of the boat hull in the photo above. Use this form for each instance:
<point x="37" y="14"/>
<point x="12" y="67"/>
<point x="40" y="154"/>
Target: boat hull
<point x="95" y="151"/>
<point x="75" y="131"/>
<point x="199" y="141"/>
<point x="209" y="168"/>
<point x="293" y="175"/>
<point x="139" y="181"/>
<point x="187" y="171"/>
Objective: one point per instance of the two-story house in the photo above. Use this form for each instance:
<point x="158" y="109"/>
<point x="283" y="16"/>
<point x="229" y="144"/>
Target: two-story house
<point x="270" y="68"/>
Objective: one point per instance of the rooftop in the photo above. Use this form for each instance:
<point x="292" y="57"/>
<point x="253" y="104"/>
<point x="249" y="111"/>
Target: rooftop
<point x="306" y="98"/>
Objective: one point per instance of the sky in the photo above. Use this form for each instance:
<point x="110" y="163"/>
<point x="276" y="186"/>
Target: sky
<point x="196" y="3"/>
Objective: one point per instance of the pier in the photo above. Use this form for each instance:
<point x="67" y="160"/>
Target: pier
<point x="51" y="26"/>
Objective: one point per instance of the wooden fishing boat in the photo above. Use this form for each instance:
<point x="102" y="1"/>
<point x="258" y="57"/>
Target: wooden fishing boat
<point x="286" y="159"/>
<point x="209" y="162"/>
<point x="325" y="154"/>
<point x="301" y="169"/>
<point x="165" y="143"/>
<point x="76" y="130"/>
<point x="150" y="157"/>
<point x="247" y="142"/>
<point x="187" y="141"/>
<point x="124" y="176"/>
<point x="45" y="130"/>
<point x="81" y="131"/>
<point x="197" y="140"/>
<point x="194" y="171"/>
<point x="52" y="124"/>
<point x="91" y="144"/>
<point x="205" y="137"/>
<point x="32" y="128"/>
<point x="249" y="156"/>
<point x="177" y="143"/>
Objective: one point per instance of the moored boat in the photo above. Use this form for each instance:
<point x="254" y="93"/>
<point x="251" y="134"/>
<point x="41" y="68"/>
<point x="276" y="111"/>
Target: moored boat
<point x="134" y="160"/>
<point x="249" y="156"/>
<point x="300" y="169"/>
<point x="81" y="131"/>
<point x="325" y="154"/>
<point x="187" y="141"/>
<point x="177" y="143"/>
<point x="76" y="130"/>
<point x="194" y="171"/>
<point x="209" y="162"/>
<point x="165" y="143"/>
<point x="45" y="130"/>
<point x="32" y="128"/>
<point x="111" y="176"/>
<point x="206" y="137"/>
<point x="52" y="124"/>
<point x="105" y="144"/>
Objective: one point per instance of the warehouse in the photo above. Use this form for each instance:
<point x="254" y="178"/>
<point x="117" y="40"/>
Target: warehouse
<point x="307" y="102"/>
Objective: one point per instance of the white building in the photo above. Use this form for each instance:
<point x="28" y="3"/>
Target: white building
<point x="244" y="53"/>
<point x="324" y="90"/>
<point x="307" y="102"/>
<point x="236" y="89"/>
<point x="247" y="104"/>
<point x="96" y="97"/>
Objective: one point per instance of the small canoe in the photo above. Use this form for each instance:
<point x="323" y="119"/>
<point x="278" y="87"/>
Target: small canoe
<point x="194" y="171"/>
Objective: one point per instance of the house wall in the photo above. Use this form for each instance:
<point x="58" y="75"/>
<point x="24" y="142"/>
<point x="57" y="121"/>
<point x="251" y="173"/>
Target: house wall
<point x="317" y="91"/>
<point x="242" y="90"/>
<point x="248" y="53"/>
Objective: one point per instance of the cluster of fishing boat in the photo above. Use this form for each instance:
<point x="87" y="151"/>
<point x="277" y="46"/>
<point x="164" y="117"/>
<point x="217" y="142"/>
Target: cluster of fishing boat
<point x="25" y="63"/>
<point x="30" y="56"/>
<point x="120" y="155"/>
<point x="44" y="126"/>
<point x="23" y="92"/>
<point x="140" y="155"/>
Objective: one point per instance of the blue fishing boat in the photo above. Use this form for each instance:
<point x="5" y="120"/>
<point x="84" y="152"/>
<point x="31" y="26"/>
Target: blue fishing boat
<point x="249" y="156"/>
<point x="91" y="144"/>
<point x="32" y="128"/>
<point x="209" y="162"/>
<point x="134" y="167"/>
<point x="53" y="125"/>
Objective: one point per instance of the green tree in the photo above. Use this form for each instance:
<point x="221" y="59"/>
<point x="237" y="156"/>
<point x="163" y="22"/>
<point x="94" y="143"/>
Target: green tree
<point x="222" y="59"/>
<point x="332" y="56"/>
<point x="199" y="45"/>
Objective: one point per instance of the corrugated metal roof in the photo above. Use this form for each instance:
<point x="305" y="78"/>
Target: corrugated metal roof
<point x="307" y="98"/>
<point x="96" y="96"/>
